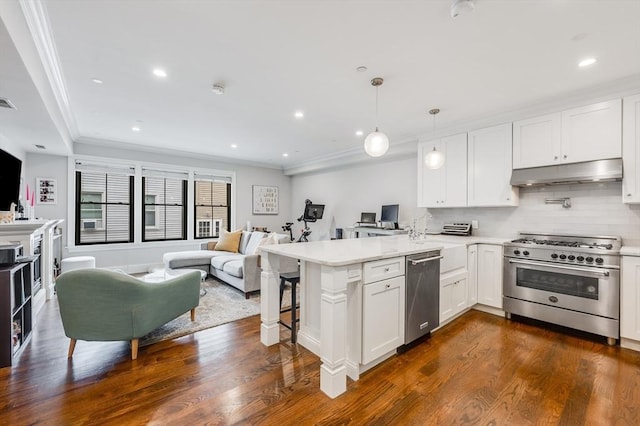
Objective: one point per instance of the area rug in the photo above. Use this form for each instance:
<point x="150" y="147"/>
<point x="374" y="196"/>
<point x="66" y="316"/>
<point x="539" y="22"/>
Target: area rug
<point x="221" y="304"/>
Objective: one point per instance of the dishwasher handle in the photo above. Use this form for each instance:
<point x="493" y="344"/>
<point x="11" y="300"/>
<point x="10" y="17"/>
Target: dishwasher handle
<point x="426" y="259"/>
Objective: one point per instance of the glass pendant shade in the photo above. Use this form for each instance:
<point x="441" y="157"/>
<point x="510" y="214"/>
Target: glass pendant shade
<point x="376" y="143"/>
<point x="434" y="159"/>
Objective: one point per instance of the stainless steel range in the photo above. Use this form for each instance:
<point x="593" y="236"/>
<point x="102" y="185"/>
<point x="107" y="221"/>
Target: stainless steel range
<point x="570" y="280"/>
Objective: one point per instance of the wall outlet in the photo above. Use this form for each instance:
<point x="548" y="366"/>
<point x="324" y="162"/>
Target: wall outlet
<point x="474" y="224"/>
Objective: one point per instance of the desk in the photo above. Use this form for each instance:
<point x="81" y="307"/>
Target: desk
<point x="375" y="231"/>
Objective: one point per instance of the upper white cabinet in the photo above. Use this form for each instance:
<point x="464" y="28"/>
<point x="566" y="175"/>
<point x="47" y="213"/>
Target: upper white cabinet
<point x="536" y="141"/>
<point x="592" y="132"/>
<point x="631" y="149"/>
<point x="489" y="167"/>
<point x="446" y="186"/>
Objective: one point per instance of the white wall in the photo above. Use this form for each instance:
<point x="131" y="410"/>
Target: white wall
<point x="137" y="257"/>
<point x="360" y="188"/>
<point x="597" y="208"/>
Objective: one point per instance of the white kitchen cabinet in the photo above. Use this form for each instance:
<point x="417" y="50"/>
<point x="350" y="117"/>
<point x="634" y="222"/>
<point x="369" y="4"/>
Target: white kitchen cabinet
<point x="489" y="167"/>
<point x="446" y="186"/>
<point x="537" y="141"/>
<point x="630" y="302"/>
<point x="631" y="150"/>
<point x="382" y="317"/>
<point x="453" y="295"/>
<point x="591" y="132"/>
<point x="472" y="275"/>
<point x="489" y="263"/>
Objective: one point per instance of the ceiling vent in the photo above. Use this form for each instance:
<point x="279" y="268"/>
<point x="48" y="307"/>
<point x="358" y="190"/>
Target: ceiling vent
<point x="6" y="103"/>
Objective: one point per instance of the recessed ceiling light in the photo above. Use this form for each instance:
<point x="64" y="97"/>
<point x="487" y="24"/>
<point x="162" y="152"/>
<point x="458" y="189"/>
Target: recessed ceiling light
<point x="298" y="114"/>
<point x="285" y="155"/>
<point x="361" y="68"/>
<point x="135" y="128"/>
<point x="158" y="72"/>
<point x="97" y="81"/>
<point x="359" y="133"/>
<point x="233" y="145"/>
<point x="587" y="62"/>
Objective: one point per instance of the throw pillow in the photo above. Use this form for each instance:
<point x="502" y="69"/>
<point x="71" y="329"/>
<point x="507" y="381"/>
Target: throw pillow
<point x="272" y="238"/>
<point x="229" y="241"/>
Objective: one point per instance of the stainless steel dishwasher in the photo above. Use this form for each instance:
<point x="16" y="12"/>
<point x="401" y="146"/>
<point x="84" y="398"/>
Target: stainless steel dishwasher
<point x="422" y="304"/>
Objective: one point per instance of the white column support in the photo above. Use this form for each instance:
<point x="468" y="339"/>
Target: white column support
<point x="270" y="299"/>
<point x="333" y="330"/>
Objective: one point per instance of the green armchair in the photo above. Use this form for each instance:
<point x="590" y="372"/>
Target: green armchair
<point x="103" y="305"/>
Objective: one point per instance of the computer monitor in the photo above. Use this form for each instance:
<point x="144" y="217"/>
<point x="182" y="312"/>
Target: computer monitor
<point x="313" y="212"/>
<point x="367" y="218"/>
<point x="390" y="214"/>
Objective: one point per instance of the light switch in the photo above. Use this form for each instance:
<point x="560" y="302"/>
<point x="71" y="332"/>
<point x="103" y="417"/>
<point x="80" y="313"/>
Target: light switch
<point x="474" y="224"/>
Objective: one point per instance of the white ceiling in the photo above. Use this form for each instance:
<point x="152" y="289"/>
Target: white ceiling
<point x="276" y="57"/>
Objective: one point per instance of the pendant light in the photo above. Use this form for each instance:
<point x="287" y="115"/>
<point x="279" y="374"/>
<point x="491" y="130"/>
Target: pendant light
<point x="434" y="159"/>
<point x="376" y="143"/>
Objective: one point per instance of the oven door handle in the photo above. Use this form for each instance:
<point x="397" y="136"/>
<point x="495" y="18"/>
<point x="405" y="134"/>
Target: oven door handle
<point x="555" y="265"/>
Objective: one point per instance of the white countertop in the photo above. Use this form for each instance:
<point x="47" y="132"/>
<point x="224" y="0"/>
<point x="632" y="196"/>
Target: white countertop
<point x="353" y="250"/>
<point x="630" y="251"/>
<point x="357" y="250"/>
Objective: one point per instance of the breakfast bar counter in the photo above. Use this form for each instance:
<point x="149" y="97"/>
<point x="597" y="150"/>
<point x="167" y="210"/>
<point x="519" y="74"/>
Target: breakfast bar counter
<point x="331" y="284"/>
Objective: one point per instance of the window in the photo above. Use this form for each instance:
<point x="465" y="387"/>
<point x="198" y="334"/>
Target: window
<point x="104" y="207"/>
<point x="164" y="206"/>
<point x="150" y="211"/>
<point x="212" y="205"/>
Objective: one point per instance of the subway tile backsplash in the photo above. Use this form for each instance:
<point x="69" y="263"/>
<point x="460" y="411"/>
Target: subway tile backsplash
<point x="597" y="209"/>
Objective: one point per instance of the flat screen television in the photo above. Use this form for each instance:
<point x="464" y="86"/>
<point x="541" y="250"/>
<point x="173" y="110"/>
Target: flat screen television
<point x="313" y="212"/>
<point x="10" y="168"/>
<point x="390" y="214"/>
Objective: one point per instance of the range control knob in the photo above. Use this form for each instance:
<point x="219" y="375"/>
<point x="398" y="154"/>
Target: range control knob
<point x="571" y="257"/>
<point x="554" y="256"/>
<point x="599" y="260"/>
<point x="516" y="252"/>
<point x="563" y="256"/>
<point x="580" y="258"/>
<point x="526" y="253"/>
<point x="589" y="259"/>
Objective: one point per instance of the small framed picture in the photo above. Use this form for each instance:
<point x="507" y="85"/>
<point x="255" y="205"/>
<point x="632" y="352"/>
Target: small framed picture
<point x="265" y="199"/>
<point x="46" y="191"/>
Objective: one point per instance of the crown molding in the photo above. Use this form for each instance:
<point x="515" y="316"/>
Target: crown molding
<point x="119" y="146"/>
<point x="38" y="23"/>
<point x="406" y="148"/>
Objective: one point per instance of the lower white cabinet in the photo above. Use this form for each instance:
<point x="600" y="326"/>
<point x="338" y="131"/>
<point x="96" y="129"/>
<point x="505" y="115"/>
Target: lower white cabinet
<point x="489" y="277"/>
<point x="382" y="317"/>
<point x="453" y="295"/>
<point x="630" y="300"/>
<point x="472" y="275"/>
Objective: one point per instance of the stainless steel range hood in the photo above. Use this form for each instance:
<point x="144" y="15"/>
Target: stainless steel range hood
<point x="590" y="171"/>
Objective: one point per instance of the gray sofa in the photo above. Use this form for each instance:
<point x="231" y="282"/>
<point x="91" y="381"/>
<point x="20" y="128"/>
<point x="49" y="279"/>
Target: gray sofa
<point x="241" y="270"/>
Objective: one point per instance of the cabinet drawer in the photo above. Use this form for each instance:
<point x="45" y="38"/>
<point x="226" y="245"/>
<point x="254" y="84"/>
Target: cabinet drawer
<point x="383" y="269"/>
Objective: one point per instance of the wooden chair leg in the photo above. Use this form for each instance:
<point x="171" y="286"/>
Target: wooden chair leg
<point x="193" y="314"/>
<point x="72" y="346"/>
<point x="134" y="349"/>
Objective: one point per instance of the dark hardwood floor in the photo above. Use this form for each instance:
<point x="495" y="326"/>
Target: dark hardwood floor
<point x="481" y="369"/>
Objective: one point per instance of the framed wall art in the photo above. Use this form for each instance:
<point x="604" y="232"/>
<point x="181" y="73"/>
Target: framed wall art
<point x="265" y="199"/>
<point x="46" y="191"/>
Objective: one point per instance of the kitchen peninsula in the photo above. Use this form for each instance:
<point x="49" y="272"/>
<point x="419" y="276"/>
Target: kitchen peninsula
<point x="333" y="275"/>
